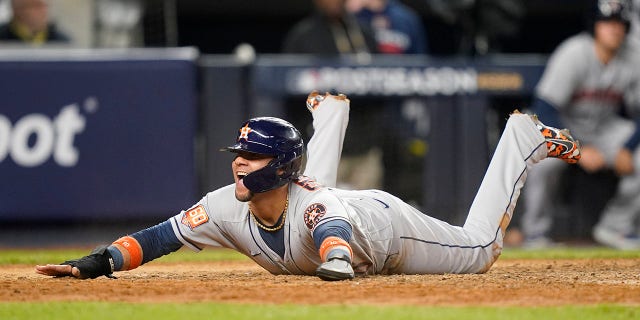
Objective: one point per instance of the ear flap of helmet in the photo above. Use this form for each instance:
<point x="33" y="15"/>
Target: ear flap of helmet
<point x="263" y="180"/>
<point x="267" y="178"/>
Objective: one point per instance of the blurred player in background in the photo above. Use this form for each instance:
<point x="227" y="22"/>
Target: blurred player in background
<point x="31" y="24"/>
<point x="398" y="29"/>
<point x="591" y="86"/>
<point x="329" y="30"/>
<point x="290" y="224"/>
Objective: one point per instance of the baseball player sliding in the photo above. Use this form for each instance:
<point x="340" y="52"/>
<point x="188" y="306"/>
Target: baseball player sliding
<point x="289" y="223"/>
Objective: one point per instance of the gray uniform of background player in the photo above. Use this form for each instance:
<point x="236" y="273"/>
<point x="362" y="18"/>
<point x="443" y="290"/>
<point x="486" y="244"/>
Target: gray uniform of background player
<point x="634" y="33"/>
<point x="581" y="87"/>
<point x="389" y="236"/>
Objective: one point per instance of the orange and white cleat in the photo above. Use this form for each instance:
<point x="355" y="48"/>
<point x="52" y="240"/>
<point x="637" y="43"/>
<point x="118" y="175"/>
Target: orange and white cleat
<point x="314" y="99"/>
<point x="560" y="143"/>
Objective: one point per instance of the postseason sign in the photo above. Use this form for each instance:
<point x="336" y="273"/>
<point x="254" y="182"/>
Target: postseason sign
<point x="98" y="134"/>
<point x="390" y="76"/>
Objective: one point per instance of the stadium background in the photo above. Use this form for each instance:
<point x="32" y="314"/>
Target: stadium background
<point x="434" y="144"/>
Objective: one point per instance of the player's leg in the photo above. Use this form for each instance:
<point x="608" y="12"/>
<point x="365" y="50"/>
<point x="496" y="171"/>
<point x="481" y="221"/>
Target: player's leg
<point x="429" y="245"/>
<point x="475" y="246"/>
<point x="330" y="118"/>
<point x="520" y="147"/>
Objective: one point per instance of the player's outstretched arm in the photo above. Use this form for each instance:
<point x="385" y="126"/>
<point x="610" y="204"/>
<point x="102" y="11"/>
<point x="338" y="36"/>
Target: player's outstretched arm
<point x="126" y="253"/>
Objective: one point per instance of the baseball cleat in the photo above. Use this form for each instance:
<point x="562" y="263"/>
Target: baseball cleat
<point x="560" y="143"/>
<point x="315" y="98"/>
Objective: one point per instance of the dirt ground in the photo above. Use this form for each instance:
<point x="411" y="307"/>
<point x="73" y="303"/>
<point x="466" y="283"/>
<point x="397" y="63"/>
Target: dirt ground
<point x="508" y="283"/>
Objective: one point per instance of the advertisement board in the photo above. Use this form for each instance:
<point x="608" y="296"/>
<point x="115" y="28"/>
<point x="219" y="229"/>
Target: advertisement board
<point x="100" y="134"/>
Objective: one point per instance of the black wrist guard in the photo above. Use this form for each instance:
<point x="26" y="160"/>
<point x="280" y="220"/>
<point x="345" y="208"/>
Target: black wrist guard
<point x="98" y="263"/>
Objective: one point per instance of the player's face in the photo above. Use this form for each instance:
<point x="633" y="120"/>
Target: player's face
<point x="32" y="13"/>
<point x="242" y="165"/>
<point x="610" y="34"/>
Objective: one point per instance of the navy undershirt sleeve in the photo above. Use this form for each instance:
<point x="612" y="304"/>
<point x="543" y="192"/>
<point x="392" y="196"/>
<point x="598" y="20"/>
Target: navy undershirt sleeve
<point x="547" y="113"/>
<point x="157" y="241"/>
<point x="634" y="140"/>
<point x="334" y="228"/>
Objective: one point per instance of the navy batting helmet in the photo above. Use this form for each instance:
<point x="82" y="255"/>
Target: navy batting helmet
<point x="272" y="137"/>
<point x="610" y="10"/>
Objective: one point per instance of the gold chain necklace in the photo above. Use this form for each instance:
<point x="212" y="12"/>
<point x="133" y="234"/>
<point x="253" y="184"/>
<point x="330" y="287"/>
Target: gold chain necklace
<point x="271" y="229"/>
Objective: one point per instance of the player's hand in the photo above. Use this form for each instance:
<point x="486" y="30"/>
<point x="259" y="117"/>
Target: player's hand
<point x="58" y="270"/>
<point x="624" y="162"/>
<point x="335" y="269"/>
<point x="591" y="159"/>
<point x="98" y="263"/>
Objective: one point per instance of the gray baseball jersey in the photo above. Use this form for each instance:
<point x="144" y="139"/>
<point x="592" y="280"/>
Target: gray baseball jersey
<point x="389" y="236"/>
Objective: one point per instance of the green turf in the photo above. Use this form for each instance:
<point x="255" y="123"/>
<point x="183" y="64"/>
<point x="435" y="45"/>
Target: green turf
<point x="155" y="311"/>
<point x="41" y="256"/>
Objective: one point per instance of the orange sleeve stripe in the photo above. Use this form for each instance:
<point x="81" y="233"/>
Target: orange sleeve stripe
<point x="331" y="243"/>
<point x="131" y="252"/>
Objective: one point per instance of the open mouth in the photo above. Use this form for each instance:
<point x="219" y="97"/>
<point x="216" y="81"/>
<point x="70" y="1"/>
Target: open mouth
<point x="241" y="174"/>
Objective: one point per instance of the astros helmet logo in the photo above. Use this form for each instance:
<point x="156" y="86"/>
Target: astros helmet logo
<point x="244" y="132"/>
